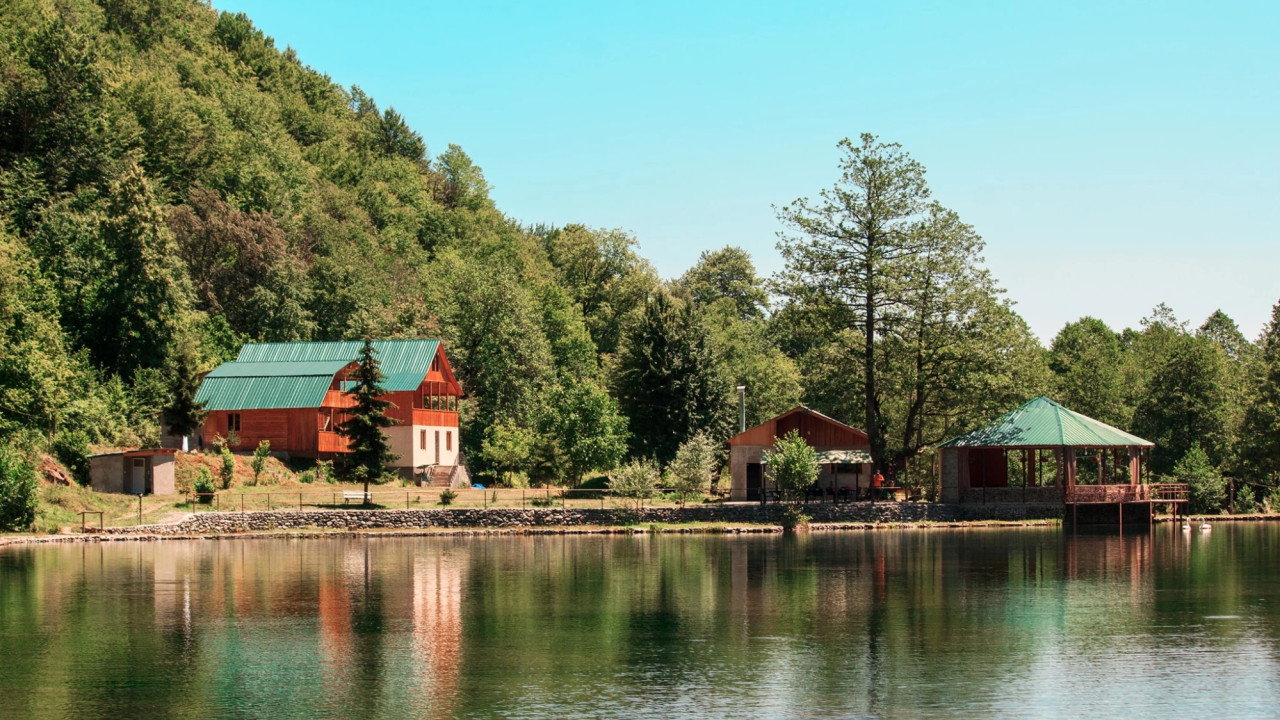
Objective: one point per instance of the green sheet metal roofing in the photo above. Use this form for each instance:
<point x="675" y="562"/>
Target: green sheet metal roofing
<point x="297" y="375"/>
<point x="403" y="362"/>
<point x="1041" y="422"/>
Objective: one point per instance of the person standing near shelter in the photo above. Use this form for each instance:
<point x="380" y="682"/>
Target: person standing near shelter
<point x="877" y="480"/>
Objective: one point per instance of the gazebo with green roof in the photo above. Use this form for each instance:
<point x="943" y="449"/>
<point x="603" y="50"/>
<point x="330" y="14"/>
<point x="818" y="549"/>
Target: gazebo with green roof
<point x="1034" y="454"/>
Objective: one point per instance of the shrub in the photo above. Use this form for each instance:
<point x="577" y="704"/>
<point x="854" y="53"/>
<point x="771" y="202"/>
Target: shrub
<point x="204" y="485"/>
<point x="1273" y="500"/>
<point x="1246" y="503"/>
<point x="307" y="477"/>
<point x="690" y="472"/>
<point x="72" y="450"/>
<point x="793" y="464"/>
<point x="794" y="519"/>
<point x="635" y="482"/>
<point x="1206" y="488"/>
<point x="259" y="462"/>
<point x="324" y="471"/>
<point x="227" y="474"/>
<point x="447" y="496"/>
<point x="19" y="490"/>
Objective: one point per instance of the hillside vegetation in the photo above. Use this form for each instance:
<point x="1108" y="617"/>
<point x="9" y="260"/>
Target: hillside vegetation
<point x="172" y="185"/>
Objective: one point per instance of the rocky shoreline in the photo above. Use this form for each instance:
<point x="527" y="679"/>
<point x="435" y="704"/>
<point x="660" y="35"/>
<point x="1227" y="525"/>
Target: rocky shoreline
<point x="718" y="519"/>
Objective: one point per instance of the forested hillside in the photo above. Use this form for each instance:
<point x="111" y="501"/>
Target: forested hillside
<point x="173" y="185"/>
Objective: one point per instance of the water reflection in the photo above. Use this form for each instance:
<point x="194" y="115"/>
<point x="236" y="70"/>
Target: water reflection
<point x="1027" y="622"/>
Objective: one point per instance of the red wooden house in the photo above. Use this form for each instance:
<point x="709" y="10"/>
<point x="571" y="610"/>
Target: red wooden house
<point x="294" y="395"/>
<point x="844" y="456"/>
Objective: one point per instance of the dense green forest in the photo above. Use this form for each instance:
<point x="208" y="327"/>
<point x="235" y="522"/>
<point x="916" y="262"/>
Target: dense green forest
<point x="173" y="185"/>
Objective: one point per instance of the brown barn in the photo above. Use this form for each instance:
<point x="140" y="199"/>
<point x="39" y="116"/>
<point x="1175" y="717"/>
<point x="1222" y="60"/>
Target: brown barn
<point x="843" y="452"/>
<point x="294" y="395"/>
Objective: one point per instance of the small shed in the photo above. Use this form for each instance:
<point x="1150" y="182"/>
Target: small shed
<point x="133" y="472"/>
<point x="1035" y="454"/>
<point x="844" y="453"/>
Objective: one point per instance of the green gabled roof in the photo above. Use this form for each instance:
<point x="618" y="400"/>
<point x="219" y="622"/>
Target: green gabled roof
<point x="1041" y="422"/>
<point x="297" y="375"/>
<point x="403" y="362"/>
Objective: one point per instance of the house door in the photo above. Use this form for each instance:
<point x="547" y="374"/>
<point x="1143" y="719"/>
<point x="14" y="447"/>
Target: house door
<point x="755" y="477"/>
<point x="137" y="476"/>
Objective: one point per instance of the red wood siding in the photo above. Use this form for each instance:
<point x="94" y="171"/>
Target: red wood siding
<point x="817" y="430"/>
<point x="988" y="467"/>
<point x="290" y="430"/>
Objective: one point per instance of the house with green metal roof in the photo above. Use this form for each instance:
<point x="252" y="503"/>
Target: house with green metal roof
<point x="295" y="395"/>
<point x="1042" y="452"/>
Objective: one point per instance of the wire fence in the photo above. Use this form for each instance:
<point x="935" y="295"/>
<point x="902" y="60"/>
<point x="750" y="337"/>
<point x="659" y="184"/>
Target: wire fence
<point x="417" y="498"/>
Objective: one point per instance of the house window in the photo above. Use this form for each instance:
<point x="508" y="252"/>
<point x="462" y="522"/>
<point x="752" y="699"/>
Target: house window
<point x="233" y="422"/>
<point x="422" y="440"/>
<point x="448" y="440"/>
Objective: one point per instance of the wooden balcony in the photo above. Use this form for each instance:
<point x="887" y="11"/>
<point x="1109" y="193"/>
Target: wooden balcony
<point x="443" y="418"/>
<point x="330" y="442"/>
<point x="338" y="399"/>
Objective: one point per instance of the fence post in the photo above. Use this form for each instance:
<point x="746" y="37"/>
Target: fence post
<point x="268" y="501"/>
<point x="139" y="508"/>
<point x="299" y="501"/>
<point x="522" y="498"/>
<point x="217" y="499"/>
<point x="241" y="502"/>
<point x="406" y="500"/>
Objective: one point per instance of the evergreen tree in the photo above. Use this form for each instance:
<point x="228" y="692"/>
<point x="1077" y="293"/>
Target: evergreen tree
<point x="1260" y="434"/>
<point x="669" y="384"/>
<point x="369" y="451"/>
<point x="147" y="293"/>
<point x="184" y="415"/>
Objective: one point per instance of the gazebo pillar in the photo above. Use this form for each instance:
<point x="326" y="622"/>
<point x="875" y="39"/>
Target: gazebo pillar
<point x="1135" y="465"/>
<point x="1069" y="465"/>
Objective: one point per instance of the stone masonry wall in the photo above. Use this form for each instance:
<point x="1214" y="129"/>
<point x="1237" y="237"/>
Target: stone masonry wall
<point x="355" y="519"/>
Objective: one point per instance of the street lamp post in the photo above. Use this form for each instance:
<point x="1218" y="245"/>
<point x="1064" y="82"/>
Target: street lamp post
<point x="742" y="408"/>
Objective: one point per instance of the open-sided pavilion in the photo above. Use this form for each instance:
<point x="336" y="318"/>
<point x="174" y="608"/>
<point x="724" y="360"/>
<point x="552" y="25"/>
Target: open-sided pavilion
<point x="1036" y="454"/>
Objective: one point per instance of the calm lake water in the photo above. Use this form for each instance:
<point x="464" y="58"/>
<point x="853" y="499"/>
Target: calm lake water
<point x="978" y="623"/>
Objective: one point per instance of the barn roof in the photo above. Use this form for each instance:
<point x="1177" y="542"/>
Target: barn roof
<point x="1041" y="422"/>
<point x="837" y="433"/>
<point x="297" y="375"/>
<point x="403" y="362"/>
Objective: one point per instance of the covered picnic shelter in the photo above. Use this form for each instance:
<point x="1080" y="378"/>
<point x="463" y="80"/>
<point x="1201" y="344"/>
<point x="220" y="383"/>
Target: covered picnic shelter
<point x="1042" y="452"/>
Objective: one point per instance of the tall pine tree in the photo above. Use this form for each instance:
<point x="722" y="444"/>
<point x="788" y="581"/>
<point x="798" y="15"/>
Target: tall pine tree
<point x="184" y="415"/>
<point x="669" y="384"/>
<point x="370" y="452"/>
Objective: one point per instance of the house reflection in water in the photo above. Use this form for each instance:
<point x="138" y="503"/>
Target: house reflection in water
<point x="437" y="625"/>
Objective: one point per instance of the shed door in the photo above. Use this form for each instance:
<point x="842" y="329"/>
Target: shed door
<point x="137" y="476"/>
<point x="755" y="476"/>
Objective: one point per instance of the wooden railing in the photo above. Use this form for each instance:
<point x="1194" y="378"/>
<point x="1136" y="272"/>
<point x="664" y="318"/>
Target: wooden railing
<point x="445" y="418"/>
<point x="332" y="442"/>
<point x="1164" y="492"/>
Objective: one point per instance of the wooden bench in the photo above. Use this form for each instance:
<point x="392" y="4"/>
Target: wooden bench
<point x="349" y="495"/>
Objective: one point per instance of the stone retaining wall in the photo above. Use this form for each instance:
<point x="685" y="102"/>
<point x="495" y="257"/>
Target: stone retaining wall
<point x="356" y="519"/>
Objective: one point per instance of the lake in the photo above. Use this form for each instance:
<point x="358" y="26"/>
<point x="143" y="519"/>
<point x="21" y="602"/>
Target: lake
<point x="1031" y="622"/>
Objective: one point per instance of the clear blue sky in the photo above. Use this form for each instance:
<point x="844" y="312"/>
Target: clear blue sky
<point x="1113" y="154"/>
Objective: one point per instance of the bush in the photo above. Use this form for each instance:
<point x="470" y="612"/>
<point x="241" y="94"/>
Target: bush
<point x="72" y="450"/>
<point x="544" y="501"/>
<point x="447" y="496"/>
<point x="516" y="479"/>
<point x="689" y="474"/>
<point x="259" y="462"/>
<point x="635" y="482"/>
<point x="204" y="485"/>
<point x="1246" y="503"/>
<point x="324" y="471"/>
<point x="227" y="475"/>
<point x="794" y="519"/>
<point x="307" y="477"/>
<point x="19" y="490"/>
<point x="1206" y="488"/>
<point x="1273" y="500"/>
<point x="793" y="465"/>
